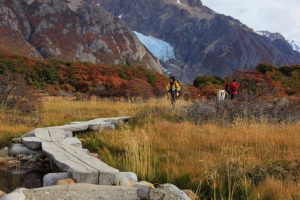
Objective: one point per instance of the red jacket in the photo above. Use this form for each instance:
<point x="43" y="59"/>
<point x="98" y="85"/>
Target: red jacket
<point x="234" y="86"/>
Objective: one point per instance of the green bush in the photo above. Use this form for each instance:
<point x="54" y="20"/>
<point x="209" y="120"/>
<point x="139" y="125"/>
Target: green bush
<point x="265" y="68"/>
<point x="290" y="70"/>
<point x="203" y="81"/>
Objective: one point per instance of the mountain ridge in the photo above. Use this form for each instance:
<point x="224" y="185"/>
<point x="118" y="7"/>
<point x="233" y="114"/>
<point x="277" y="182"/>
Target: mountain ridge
<point x="69" y="30"/>
<point x="205" y="42"/>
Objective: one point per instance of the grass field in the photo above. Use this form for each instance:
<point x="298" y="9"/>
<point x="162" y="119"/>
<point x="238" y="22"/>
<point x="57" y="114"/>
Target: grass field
<point x="239" y="160"/>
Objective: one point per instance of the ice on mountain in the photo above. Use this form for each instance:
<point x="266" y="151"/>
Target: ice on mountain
<point x="295" y="45"/>
<point x="162" y="50"/>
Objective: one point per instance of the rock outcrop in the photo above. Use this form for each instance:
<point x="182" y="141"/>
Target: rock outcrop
<point x="69" y="30"/>
<point x="205" y="42"/>
<point x="93" y="192"/>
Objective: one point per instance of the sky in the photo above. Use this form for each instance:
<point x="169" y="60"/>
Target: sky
<point x="281" y="16"/>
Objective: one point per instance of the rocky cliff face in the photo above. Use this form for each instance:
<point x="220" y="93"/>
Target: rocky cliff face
<point x="69" y="30"/>
<point x="205" y="42"/>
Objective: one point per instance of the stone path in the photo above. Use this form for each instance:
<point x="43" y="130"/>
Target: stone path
<point x="66" y="151"/>
<point x="95" y="179"/>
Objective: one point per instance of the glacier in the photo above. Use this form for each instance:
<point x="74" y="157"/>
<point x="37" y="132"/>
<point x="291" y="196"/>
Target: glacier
<point x="162" y="50"/>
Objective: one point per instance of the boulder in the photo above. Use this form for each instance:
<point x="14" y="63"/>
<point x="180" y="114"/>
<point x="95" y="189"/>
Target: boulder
<point x="33" y="143"/>
<point x="144" y="183"/>
<point x="4" y="152"/>
<point x="143" y="189"/>
<point x="131" y="176"/>
<point x="123" y="181"/>
<point x="17" y="149"/>
<point x="67" y="181"/>
<point x="170" y="191"/>
<point x="52" y="178"/>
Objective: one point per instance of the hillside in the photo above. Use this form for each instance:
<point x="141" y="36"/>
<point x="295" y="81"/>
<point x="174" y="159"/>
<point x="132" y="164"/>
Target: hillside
<point x="60" y="77"/>
<point x="57" y="77"/>
<point x="71" y="31"/>
<point x="205" y="42"/>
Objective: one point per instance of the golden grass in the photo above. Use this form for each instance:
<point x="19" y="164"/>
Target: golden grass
<point x="60" y="110"/>
<point x="273" y="189"/>
<point x="164" y="148"/>
<point x="187" y="148"/>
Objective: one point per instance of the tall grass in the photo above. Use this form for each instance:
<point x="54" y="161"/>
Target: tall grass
<point x="238" y="159"/>
<point x="232" y="160"/>
<point x="60" y="110"/>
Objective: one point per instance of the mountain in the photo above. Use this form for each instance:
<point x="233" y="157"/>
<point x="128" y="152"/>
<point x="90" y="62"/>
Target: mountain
<point x="295" y="45"/>
<point x="271" y="36"/>
<point x="70" y="30"/>
<point x="204" y="41"/>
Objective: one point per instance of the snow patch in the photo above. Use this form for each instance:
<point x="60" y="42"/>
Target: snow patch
<point x="162" y="50"/>
<point x="295" y="45"/>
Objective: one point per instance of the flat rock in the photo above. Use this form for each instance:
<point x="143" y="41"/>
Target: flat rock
<point x="82" y="191"/>
<point x="83" y="167"/>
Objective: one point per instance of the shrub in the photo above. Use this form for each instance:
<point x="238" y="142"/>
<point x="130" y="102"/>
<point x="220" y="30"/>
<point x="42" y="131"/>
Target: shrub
<point x="15" y="93"/>
<point x="276" y="110"/>
<point x="203" y="81"/>
<point x="290" y="70"/>
<point x="265" y="67"/>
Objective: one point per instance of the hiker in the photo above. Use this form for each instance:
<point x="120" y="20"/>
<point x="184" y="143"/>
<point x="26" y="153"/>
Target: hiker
<point x="221" y="95"/>
<point x="233" y="88"/>
<point x="173" y="89"/>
